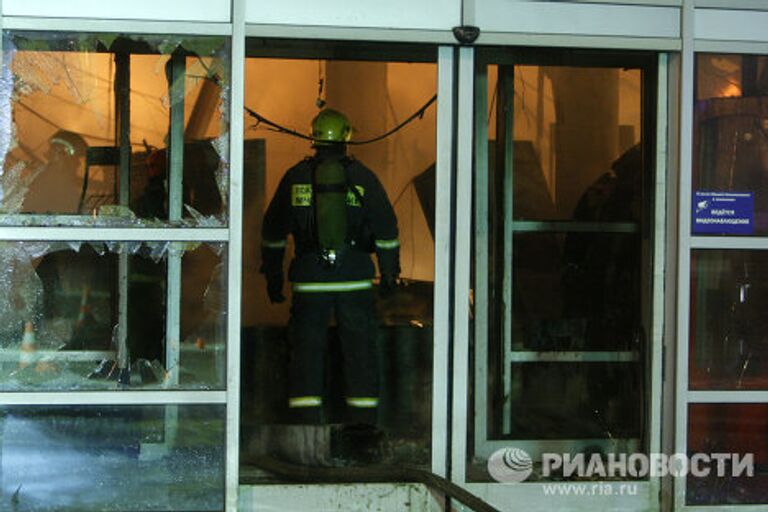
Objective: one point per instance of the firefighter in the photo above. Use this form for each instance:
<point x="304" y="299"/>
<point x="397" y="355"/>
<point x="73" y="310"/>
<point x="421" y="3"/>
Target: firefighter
<point x="338" y="213"/>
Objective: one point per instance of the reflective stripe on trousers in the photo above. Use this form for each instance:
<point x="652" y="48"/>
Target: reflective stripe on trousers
<point x="387" y="244"/>
<point x="362" y="402"/>
<point x="305" y="401"/>
<point x="337" y="286"/>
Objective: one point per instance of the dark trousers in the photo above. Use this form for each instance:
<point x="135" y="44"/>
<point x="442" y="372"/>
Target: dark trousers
<point x="357" y="327"/>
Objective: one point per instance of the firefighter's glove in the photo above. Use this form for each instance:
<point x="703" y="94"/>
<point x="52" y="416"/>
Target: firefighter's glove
<point x="275" y="289"/>
<point x="387" y="285"/>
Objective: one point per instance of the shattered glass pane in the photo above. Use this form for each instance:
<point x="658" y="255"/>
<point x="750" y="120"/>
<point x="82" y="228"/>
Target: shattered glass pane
<point x="60" y="328"/>
<point x="97" y="458"/>
<point x="21" y="288"/>
<point x="113" y="130"/>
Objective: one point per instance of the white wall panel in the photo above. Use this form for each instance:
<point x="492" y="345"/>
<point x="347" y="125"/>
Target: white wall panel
<point x="734" y="4"/>
<point x="577" y="18"/>
<point x="171" y="10"/>
<point x="402" y="14"/>
<point x="340" y="497"/>
<point x="676" y="3"/>
<point x="730" y="25"/>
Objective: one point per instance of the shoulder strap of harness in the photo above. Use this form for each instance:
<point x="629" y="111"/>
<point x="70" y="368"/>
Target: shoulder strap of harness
<point x="312" y="227"/>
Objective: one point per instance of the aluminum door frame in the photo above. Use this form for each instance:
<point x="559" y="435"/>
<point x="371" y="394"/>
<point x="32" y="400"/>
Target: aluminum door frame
<point x="505" y="496"/>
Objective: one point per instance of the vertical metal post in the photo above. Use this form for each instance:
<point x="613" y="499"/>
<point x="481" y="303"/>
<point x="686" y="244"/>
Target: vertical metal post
<point x="176" y="93"/>
<point x="3" y="74"/>
<point x="658" y="265"/>
<point x="173" y="313"/>
<point x="671" y="271"/>
<point x="442" y="306"/>
<point x="505" y="135"/>
<point x="481" y="288"/>
<point x="687" y="78"/>
<point x="463" y="234"/>
<point x="123" y="135"/>
<point x="123" y="123"/>
<point x="235" y="251"/>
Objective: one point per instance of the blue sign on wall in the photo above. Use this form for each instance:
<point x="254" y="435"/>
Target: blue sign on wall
<point x="723" y="213"/>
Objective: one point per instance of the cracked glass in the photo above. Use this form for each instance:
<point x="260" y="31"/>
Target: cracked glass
<point x="112" y="315"/>
<point x="114" y="130"/>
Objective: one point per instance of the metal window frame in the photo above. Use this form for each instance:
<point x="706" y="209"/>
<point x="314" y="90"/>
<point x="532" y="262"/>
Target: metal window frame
<point x="461" y="272"/>
<point x="441" y="364"/>
<point x="399" y="35"/>
<point x="685" y="150"/>
<point x="459" y="332"/>
<point x="112" y="397"/>
<point x="118" y="26"/>
<point x="687" y="243"/>
<point x="231" y="235"/>
<point x="196" y="10"/>
<point x="101" y="234"/>
<point x="236" y="185"/>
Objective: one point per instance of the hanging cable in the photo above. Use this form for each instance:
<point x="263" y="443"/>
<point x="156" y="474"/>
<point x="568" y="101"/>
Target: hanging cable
<point x="419" y="113"/>
<point x="281" y="129"/>
<point x="320" y="102"/>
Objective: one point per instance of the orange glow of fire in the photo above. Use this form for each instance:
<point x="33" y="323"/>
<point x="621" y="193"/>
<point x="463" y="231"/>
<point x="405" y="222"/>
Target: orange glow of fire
<point x="731" y="91"/>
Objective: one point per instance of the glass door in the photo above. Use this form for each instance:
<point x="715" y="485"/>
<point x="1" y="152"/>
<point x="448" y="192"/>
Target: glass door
<point x="562" y="288"/>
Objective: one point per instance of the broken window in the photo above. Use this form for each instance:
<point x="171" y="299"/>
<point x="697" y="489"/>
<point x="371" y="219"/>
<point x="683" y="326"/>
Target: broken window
<point x="109" y="129"/>
<point x="126" y="131"/>
<point x="78" y="318"/>
<point x="114" y="130"/>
